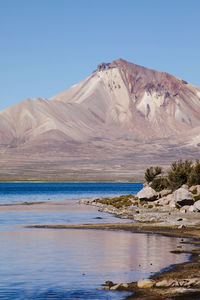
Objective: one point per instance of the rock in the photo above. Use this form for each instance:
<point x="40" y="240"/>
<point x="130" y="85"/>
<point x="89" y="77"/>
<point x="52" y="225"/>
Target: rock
<point x="181" y="226"/>
<point x="165" y="192"/>
<point x="109" y="283"/>
<point x="195" y="188"/>
<point x="172" y="204"/>
<point x="163" y="201"/>
<point x="170" y="197"/>
<point x="145" y="283"/>
<point x="103" y="66"/>
<point x="170" y="200"/>
<point x="197" y="205"/>
<point x="185" y="186"/>
<point x="184" y="209"/>
<point x="164" y="283"/>
<point x="194" y="282"/>
<point x="182" y="283"/>
<point x="192" y="208"/>
<point x="115" y="287"/>
<point x="183" y="197"/>
<point x="106" y="287"/>
<point x="147" y="194"/>
<point x="179" y="290"/>
<point x="125" y="285"/>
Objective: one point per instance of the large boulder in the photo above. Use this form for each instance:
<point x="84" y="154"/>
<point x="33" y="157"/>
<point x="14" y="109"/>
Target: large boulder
<point x="183" y="197"/>
<point x="147" y="194"/>
<point x="166" y="201"/>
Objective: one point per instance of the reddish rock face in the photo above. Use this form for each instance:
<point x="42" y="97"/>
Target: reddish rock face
<point x="122" y="116"/>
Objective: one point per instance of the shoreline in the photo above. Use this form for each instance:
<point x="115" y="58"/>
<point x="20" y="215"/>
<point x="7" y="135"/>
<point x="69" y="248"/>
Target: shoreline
<point x="183" y="272"/>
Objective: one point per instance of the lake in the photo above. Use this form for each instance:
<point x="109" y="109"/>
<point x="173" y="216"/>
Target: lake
<point x="71" y="264"/>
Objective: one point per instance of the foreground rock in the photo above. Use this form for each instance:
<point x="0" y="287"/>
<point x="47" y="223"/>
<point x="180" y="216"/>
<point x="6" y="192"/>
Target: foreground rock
<point x="183" y="197"/>
<point x="147" y="194"/>
<point x="145" y="283"/>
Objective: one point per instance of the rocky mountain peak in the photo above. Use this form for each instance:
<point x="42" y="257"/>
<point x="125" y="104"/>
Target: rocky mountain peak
<point x="103" y="66"/>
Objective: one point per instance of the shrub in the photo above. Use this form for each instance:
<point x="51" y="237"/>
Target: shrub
<point x="159" y="184"/>
<point x="194" y="192"/>
<point x="194" y="177"/>
<point x="119" y="201"/>
<point x="179" y="173"/>
<point x="152" y="172"/>
<point x="196" y="198"/>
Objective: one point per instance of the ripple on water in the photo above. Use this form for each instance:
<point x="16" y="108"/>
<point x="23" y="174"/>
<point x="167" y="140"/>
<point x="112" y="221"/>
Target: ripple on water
<point x="71" y="264"/>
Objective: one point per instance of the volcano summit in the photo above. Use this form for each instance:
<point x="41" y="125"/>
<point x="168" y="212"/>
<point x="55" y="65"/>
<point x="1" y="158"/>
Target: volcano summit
<point x="110" y="126"/>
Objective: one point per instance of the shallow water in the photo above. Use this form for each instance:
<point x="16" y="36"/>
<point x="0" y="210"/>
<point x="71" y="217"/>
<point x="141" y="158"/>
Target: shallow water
<point x="71" y="264"/>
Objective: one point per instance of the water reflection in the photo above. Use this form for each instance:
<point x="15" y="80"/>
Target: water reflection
<point x="68" y="261"/>
<point x="71" y="264"/>
<point x="51" y="213"/>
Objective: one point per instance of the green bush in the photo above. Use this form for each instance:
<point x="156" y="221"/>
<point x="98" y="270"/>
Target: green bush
<point x="194" y="177"/>
<point x="196" y="198"/>
<point x="152" y="172"/>
<point x="119" y="201"/>
<point x="194" y="192"/>
<point x="179" y="173"/>
<point x="159" y="184"/>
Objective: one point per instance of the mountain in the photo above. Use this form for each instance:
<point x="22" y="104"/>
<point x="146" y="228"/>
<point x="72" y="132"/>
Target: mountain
<point x="111" y="125"/>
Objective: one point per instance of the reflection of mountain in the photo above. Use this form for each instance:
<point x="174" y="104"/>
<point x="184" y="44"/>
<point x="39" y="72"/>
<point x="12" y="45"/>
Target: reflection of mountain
<point x="120" y="118"/>
<point x="127" y="256"/>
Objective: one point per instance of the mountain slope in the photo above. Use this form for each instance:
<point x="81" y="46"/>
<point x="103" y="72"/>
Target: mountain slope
<point x="121" y="111"/>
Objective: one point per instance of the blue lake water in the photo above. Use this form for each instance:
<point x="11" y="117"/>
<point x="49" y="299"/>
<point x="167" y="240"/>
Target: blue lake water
<point x="20" y="192"/>
<point x="71" y="264"/>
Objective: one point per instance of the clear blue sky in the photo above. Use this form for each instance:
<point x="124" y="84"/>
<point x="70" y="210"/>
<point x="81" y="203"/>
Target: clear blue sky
<point x="49" y="45"/>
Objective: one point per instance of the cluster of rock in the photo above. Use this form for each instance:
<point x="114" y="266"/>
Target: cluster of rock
<point x="109" y="285"/>
<point x="150" y="283"/>
<point x="103" y="66"/>
<point x="183" y="198"/>
<point x="166" y="283"/>
<point x="179" y="208"/>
